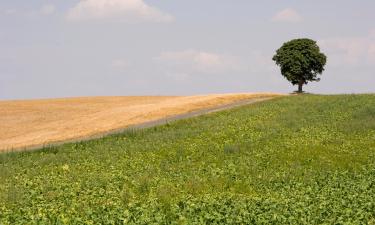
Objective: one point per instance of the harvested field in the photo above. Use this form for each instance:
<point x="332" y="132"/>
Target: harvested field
<point x="29" y="123"/>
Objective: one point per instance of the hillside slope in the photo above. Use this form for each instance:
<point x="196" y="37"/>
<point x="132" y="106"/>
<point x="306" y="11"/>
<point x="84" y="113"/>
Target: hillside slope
<point x="31" y="123"/>
<point x="293" y="160"/>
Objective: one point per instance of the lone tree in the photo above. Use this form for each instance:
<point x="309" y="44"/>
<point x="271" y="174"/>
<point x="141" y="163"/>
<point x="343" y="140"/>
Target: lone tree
<point x="300" y="61"/>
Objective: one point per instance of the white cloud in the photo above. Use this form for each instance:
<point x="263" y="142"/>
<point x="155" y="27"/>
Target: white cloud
<point x="350" y="51"/>
<point x="198" y="61"/>
<point x="287" y="15"/>
<point x="48" y="9"/>
<point x="116" y="10"/>
<point x="120" y="64"/>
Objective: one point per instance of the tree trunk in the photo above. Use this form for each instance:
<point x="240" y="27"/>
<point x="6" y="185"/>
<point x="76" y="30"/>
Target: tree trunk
<point x="300" y="85"/>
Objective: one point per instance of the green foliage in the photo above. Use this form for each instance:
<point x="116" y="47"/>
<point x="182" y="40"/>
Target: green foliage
<point x="300" y="61"/>
<point x="293" y="160"/>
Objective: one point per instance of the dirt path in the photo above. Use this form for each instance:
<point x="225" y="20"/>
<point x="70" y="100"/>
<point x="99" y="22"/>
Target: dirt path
<point x="26" y="125"/>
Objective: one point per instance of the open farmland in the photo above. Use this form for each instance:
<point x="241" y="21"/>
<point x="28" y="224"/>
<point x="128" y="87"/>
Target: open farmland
<point x="292" y="160"/>
<point x="37" y="122"/>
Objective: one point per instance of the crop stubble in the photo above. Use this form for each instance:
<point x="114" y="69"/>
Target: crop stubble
<point x="28" y="123"/>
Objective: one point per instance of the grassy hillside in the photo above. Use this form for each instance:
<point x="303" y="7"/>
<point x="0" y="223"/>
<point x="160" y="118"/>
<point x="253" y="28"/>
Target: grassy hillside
<point x="299" y="160"/>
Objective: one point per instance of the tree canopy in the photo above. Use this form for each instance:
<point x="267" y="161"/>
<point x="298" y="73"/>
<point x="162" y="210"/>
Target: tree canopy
<point x="300" y="61"/>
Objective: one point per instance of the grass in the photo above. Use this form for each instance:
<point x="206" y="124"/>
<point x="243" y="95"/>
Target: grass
<point x="300" y="160"/>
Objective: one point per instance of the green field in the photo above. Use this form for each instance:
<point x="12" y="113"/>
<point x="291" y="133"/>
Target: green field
<point x="304" y="159"/>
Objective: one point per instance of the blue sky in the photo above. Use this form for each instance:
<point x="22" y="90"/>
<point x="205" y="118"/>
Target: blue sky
<point x="148" y="47"/>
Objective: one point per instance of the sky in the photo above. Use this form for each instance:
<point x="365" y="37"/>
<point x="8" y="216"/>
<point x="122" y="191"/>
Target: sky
<point x="72" y="48"/>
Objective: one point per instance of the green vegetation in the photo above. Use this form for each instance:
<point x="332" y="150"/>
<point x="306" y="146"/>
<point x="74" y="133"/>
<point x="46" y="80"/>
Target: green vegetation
<point x="293" y="160"/>
<point x="300" y="61"/>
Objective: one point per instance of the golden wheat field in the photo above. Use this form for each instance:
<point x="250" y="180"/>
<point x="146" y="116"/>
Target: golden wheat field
<point x="28" y="123"/>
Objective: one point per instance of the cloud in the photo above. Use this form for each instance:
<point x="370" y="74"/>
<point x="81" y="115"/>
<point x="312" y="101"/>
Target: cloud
<point x="129" y="11"/>
<point x="120" y="64"/>
<point x="350" y="51"/>
<point x="288" y="15"/>
<point x="48" y="9"/>
<point x="198" y="61"/>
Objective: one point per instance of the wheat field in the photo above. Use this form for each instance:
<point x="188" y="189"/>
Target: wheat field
<point x="30" y="123"/>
